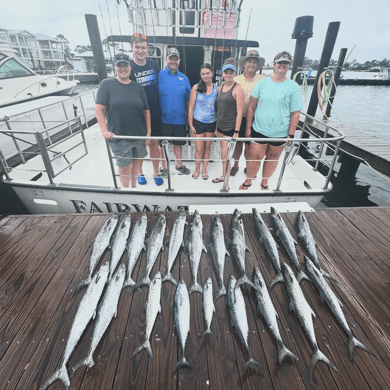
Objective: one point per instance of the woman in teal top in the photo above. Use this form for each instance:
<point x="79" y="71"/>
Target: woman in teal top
<point x="274" y="107"/>
<point x="202" y="117"/>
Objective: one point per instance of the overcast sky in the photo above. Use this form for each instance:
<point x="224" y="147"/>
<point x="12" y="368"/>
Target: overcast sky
<point x="363" y="23"/>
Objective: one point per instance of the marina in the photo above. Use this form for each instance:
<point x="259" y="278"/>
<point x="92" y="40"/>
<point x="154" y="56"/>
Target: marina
<point x="42" y="257"/>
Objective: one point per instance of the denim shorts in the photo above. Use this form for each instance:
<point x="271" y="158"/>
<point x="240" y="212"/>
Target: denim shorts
<point x="201" y="127"/>
<point x="125" y="151"/>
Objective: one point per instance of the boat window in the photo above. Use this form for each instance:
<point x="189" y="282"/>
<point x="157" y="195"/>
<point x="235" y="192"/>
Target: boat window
<point x="12" y="69"/>
<point x="2" y="56"/>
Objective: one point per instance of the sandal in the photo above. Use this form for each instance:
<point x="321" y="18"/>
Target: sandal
<point x="164" y="172"/>
<point x="218" y="180"/>
<point x="141" y="180"/>
<point x="183" y="169"/>
<point x="195" y="175"/>
<point x="264" y="187"/>
<point x="205" y="176"/>
<point x="244" y="186"/>
<point x="234" y="170"/>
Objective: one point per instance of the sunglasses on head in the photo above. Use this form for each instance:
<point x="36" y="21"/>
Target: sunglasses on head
<point x="143" y="36"/>
<point x="283" y="63"/>
<point x="253" y="55"/>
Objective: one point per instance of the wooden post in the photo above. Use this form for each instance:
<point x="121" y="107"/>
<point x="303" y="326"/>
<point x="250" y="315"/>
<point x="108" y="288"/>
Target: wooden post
<point x="340" y="63"/>
<point x="303" y="30"/>
<point x="96" y="44"/>
<point x="330" y="41"/>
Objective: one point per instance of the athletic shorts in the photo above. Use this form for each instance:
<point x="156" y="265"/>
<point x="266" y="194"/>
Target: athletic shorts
<point x="201" y="127"/>
<point x="255" y="134"/>
<point x="228" y="133"/>
<point x="242" y="128"/>
<point x="174" y="131"/>
<point x="125" y="151"/>
<point x="156" y="126"/>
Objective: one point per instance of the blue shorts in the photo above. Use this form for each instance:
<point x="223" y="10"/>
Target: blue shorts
<point x="201" y="127"/>
<point x="125" y="151"/>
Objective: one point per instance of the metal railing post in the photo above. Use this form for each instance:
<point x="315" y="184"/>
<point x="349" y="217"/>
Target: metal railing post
<point x="286" y="155"/>
<point x="336" y="152"/>
<point x="321" y="148"/>
<point x="16" y="143"/>
<point x="112" y="165"/>
<point x="165" y="146"/>
<point x="85" y="115"/>
<point x="45" y="156"/>
<point x="4" y="165"/>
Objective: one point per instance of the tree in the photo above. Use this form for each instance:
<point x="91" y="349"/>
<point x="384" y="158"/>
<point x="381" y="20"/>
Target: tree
<point x="82" y="48"/>
<point x="65" y="46"/>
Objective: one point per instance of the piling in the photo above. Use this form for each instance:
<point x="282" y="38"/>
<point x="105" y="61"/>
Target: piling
<point x="303" y="30"/>
<point x="96" y="44"/>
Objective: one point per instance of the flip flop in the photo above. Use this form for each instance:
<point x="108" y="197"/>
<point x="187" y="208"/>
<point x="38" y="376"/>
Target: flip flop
<point x="205" y="176"/>
<point x="244" y="186"/>
<point x="218" y="180"/>
<point x="264" y="187"/>
<point x="195" y="175"/>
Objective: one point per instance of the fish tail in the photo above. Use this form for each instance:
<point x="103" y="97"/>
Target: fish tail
<point x="278" y="278"/>
<point x="330" y="277"/>
<point x="301" y="275"/>
<point x="316" y="357"/>
<point x="145" y="345"/>
<point x="128" y="283"/>
<point x="88" y="361"/>
<point x="283" y="353"/>
<point x="251" y="362"/>
<point x="246" y="280"/>
<point x="86" y="280"/>
<point x="195" y="288"/>
<point x="182" y="363"/>
<point x="169" y="278"/>
<point x="144" y="282"/>
<point x="220" y="292"/>
<point x="355" y="343"/>
<point x="208" y="331"/>
<point x="61" y="374"/>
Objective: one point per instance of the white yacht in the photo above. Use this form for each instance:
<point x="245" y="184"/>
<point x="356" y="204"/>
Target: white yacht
<point x="67" y="73"/>
<point x="19" y="83"/>
<point x="384" y="74"/>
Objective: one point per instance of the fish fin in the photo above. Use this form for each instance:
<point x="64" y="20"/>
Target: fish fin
<point x="208" y="331"/>
<point x="283" y="353"/>
<point x="301" y="275"/>
<point x="159" y="308"/>
<point x="169" y="278"/>
<point x="278" y="278"/>
<point x="128" y="283"/>
<point x="61" y="374"/>
<point x="316" y="357"/>
<point x="220" y="292"/>
<point x="291" y="306"/>
<point x="144" y="248"/>
<point x="204" y="248"/>
<point x="295" y="242"/>
<point x="330" y="277"/>
<point x="182" y="363"/>
<point x="145" y="345"/>
<point x="94" y="315"/>
<point x="355" y="343"/>
<point x="162" y="246"/>
<point x="247" y="249"/>
<point x="88" y="361"/>
<point x="195" y="288"/>
<point x="246" y="280"/>
<point x="227" y="252"/>
<point x="252" y="362"/>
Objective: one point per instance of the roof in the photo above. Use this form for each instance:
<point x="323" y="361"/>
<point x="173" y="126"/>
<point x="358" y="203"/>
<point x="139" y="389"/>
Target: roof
<point x="19" y="32"/>
<point x="43" y="37"/>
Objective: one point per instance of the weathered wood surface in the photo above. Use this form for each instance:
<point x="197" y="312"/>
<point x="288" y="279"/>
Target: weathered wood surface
<point x="43" y="257"/>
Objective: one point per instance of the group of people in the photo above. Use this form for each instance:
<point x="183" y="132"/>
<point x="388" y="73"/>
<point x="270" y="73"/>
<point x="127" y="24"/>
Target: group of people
<point x="143" y="100"/>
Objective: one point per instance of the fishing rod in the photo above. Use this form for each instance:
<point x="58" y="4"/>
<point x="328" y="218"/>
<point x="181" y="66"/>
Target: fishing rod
<point x="105" y="31"/>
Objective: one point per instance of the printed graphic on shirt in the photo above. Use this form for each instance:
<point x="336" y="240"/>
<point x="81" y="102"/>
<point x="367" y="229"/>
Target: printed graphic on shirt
<point x="147" y="77"/>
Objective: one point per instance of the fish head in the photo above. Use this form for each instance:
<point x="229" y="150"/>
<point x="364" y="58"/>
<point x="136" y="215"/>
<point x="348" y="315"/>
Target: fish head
<point x="183" y="214"/>
<point x="158" y="275"/>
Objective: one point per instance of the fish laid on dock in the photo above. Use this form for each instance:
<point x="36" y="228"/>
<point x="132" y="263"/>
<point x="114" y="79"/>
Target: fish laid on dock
<point x="181" y="315"/>
<point x="119" y="242"/>
<point x="236" y="308"/>
<point x="85" y="312"/>
<point x="238" y="246"/>
<point x="269" y="314"/>
<point x="218" y="252"/>
<point x="329" y="297"/>
<point x="107" y="311"/>
<point x="288" y="242"/>
<point x="99" y="245"/>
<point x="271" y="247"/>
<point x="195" y="247"/>
<point x="153" y="247"/>
<point x="208" y="306"/>
<point x="153" y="307"/>
<point x="304" y="313"/>
<point x="175" y="242"/>
<point x="135" y="246"/>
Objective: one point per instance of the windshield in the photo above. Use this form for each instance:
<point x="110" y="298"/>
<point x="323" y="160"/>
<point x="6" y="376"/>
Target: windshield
<point x="13" y="68"/>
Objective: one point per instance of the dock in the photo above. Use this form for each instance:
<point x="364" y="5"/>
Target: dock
<point x="42" y="257"/>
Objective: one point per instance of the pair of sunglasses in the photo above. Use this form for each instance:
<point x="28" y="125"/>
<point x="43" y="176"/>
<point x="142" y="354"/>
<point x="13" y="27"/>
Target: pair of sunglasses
<point x="143" y="36"/>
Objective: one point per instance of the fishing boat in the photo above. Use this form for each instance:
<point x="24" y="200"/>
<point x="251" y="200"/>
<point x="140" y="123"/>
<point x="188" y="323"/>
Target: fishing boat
<point x="19" y="83"/>
<point x="67" y="73"/>
<point x="384" y="74"/>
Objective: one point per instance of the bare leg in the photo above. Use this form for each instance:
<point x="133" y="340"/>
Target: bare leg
<point x="178" y="154"/>
<point x="155" y="156"/>
<point x="270" y="163"/>
<point x="199" y="151"/>
<point x="206" y="154"/>
<point x="224" y="153"/>
<point x="163" y="164"/>
<point x="125" y="175"/>
<point x="237" y="153"/>
<point x="256" y="153"/>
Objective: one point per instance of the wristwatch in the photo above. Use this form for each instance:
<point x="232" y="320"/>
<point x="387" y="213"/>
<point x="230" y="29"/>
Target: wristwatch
<point x="291" y="135"/>
<point x="236" y="131"/>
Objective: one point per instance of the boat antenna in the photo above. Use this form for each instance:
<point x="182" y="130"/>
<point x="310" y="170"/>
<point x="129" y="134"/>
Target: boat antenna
<point x="105" y="31"/>
<point x="224" y="29"/>
<point x="237" y="27"/>
<point x="216" y="28"/>
<point x="349" y="54"/>
<point x="184" y="46"/>
<point x="109" y="18"/>
<point x="119" y="24"/>
<point x="157" y="21"/>
<point x="247" y="29"/>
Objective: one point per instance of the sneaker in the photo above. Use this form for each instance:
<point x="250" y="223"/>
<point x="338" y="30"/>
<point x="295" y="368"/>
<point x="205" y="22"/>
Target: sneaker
<point x="183" y="169"/>
<point x="141" y="180"/>
<point x="158" y="180"/>
<point x="164" y="172"/>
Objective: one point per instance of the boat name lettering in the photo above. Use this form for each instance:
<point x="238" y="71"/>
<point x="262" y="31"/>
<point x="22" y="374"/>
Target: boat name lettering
<point x="82" y="207"/>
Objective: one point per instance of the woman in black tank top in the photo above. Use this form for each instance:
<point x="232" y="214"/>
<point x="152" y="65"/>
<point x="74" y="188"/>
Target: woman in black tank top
<point x="230" y="103"/>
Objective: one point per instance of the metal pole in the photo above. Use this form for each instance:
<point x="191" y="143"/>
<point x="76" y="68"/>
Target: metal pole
<point x="321" y="148"/>
<point x="4" y="165"/>
<point x="336" y="152"/>
<point x="112" y="166"/>
<point x="45" y="156"/>
<point x="165" y="146"/>
<point x="286" y="154"/>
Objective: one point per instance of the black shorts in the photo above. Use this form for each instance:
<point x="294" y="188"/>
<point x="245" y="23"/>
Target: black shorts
<point x="241" y="134"/>
<point x="255" y="134"/>
<point x="201" y="127"/>
<point x="174" y="131"/>
<point x="228" y="133"/>
<point x="156" y="126"/>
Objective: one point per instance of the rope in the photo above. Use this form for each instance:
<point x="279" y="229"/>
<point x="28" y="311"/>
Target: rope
<point x="304" y="87"/>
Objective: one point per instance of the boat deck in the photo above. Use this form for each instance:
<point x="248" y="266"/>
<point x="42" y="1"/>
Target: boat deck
<point x="43" y="256"/>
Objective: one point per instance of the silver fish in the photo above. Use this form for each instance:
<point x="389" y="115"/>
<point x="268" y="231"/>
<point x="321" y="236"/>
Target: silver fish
<point x="304" y="233"/>
<point x="99" y="245"/>
<point x="107" y="311"/>
<point x="288" y="242"/>
<point x="208" y="306"/>
<point x="195" y="247"/>
<point x="181" y="315"/>
<point x="304" y="313"/>
<point x="153" y="307"/>
<point x="328" y="296"/>
<point x="218" y="252"/>
<point x="266" y="238"/>
<point x="119" y="242"/>
<point x="153" y="247"/>
<point x="236" y="308"/>
<point x="269" y="314"/>
<point x="135" y="246"/>
<point x="175" y="242"/>
<point x="85" y="312"/>
<point x="238" y="246"/>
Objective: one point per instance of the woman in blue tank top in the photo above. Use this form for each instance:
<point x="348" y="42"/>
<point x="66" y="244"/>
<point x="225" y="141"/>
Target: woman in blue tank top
<point x="202" y="118"/>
